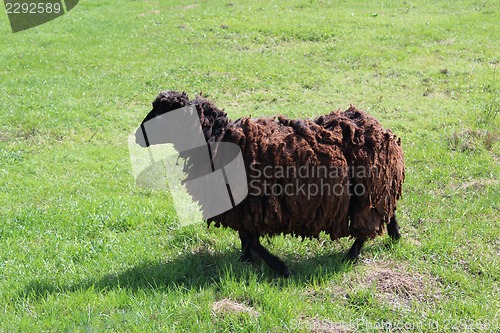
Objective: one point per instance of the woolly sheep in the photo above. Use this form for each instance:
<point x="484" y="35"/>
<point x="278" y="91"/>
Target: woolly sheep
<point x="358" y="200"/>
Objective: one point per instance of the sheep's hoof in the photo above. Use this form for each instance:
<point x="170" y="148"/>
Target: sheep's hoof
<point x="395" y="238"/>
<point x="245" y="258"/>
<point x="353" y="254"/>
<point x="282" y="268"/>
<point x="393" y="229"/>
<point x="350" y="259"/>
<point x="394" y="234"/>
<point x="285" y="272"/>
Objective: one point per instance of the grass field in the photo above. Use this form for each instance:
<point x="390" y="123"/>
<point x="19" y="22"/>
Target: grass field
<point x="83" y="249"/>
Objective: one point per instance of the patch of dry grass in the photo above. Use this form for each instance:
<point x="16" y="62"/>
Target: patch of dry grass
<point x="228" y="306"/>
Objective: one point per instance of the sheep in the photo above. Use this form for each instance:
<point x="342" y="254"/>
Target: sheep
<point x="354" y="166"/>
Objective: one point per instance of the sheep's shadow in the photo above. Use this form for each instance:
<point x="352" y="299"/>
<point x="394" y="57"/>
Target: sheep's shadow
<point x="194" y="270"/>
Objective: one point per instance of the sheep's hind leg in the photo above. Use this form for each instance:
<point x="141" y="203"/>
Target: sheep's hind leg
<point x="273" y="261"/>
<point x="353" y="253"/>
<point x="246" y="251"/>
<point x="393" y="228"/>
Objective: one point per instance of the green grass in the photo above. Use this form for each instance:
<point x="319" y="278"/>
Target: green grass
<point x="85" y="250"/>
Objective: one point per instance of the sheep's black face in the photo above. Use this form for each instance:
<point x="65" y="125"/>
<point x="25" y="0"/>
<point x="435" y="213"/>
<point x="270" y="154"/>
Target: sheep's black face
<point x="165" y="102"/>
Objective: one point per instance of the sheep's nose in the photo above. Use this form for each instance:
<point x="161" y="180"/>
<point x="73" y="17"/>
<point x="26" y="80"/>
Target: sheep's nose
<point x="141" y="138"/>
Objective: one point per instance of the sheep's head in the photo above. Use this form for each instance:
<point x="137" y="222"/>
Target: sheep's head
<point x="161" y="125"/>
<point x="165" y="102"/>
<point x="193" y="128"/>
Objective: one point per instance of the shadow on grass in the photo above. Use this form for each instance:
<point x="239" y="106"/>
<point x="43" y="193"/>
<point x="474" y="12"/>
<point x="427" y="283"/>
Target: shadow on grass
<point x="194" y="270"/>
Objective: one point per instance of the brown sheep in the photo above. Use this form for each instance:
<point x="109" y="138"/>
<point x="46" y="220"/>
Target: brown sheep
<point x="340" y="174"/>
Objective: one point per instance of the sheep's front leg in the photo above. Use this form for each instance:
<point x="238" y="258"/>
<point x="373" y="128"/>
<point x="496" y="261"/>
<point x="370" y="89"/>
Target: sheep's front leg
<point x="273" y="261"/>
<point x="246" y="251"/>
<point x="355" y="250"/>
